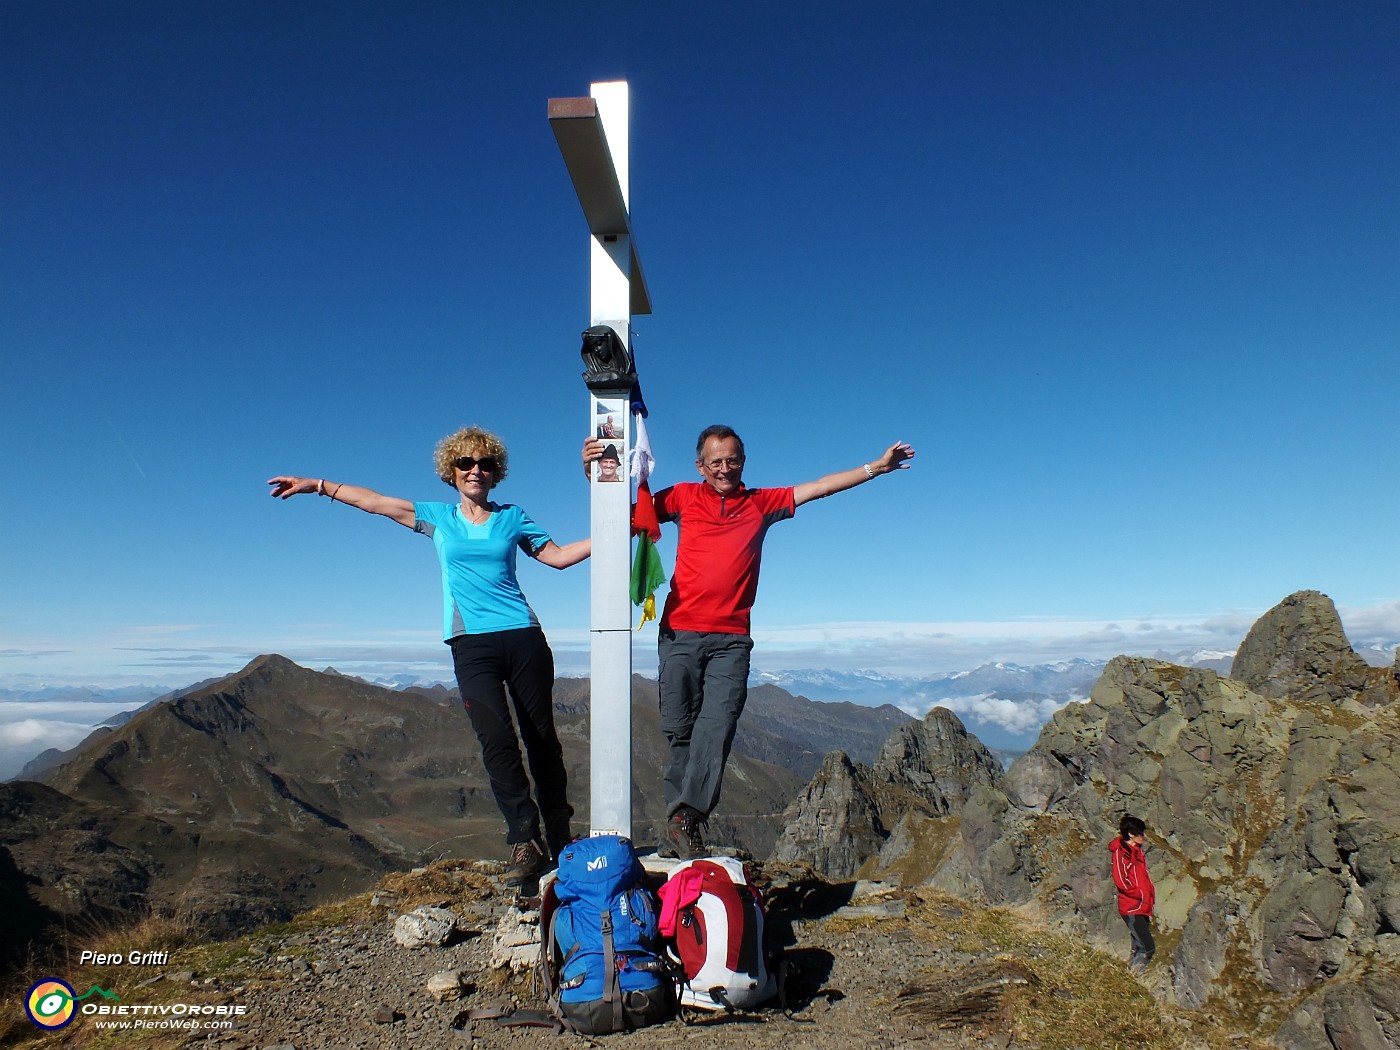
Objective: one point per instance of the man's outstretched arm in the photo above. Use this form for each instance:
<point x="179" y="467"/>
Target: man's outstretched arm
<point x="895" y="457"/>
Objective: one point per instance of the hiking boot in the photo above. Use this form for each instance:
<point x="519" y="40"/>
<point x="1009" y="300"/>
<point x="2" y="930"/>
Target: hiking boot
<point x="527" y="861"/>
<point x="682" y="837"/>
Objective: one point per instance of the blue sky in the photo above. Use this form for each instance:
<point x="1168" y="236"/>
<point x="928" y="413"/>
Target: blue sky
<point x="1127" y="275"/>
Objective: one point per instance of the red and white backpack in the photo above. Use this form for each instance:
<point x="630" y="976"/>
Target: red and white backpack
<point x="714" y="921"/>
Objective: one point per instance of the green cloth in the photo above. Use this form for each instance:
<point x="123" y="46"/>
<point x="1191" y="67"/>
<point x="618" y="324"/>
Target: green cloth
<point x="647" y="575"/>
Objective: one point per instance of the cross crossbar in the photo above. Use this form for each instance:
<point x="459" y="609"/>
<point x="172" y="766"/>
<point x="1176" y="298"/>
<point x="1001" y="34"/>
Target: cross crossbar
<point x="578" y="129"/>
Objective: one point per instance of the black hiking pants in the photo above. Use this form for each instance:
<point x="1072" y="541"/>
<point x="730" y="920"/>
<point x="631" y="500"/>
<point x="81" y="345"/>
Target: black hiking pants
<point x="486" y="664"/>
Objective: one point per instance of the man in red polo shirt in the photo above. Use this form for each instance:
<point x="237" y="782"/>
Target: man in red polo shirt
<point x="704" y="642"/>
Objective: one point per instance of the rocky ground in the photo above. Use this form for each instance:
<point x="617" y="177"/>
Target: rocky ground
<point x="865" y="975"/>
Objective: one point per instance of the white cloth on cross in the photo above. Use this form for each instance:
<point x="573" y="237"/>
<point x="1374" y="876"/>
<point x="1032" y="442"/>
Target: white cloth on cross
<point x="640" y="461"/>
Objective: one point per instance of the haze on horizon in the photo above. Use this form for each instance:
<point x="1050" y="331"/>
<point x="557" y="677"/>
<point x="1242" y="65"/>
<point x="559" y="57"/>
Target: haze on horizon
<point x="35" y="716"/>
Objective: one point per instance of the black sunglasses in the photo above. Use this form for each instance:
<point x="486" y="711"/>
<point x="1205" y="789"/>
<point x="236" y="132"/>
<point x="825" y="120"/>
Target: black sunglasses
<point x="486" y="463"/>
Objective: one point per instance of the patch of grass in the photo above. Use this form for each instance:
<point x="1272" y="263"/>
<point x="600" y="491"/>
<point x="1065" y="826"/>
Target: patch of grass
<point x="153" y="933"/>
<point x="932" y="841"/>
<point x="1258" y="814"/>
<point x="1056" y="840"/>
<point x="844" y="924"/>
<point x="128" y="985"/>
<point x="444" y="879"/>
<point x="1080" y="997"/>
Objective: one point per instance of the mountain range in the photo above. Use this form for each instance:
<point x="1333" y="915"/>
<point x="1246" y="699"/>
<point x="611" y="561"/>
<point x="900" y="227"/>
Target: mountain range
<point x="247" y="799"/>
<point x="1005" y="704"/>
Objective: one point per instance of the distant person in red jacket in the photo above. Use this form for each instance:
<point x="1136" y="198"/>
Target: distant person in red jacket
<point x="1136" y="894"/>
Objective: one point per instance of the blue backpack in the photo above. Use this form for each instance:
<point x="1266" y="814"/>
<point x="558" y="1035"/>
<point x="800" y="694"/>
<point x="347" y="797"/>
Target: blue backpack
<point x="601" y="959"/>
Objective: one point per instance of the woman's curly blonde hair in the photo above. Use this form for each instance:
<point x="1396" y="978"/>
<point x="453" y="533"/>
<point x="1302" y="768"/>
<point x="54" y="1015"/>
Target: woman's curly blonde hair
<point x="470" y="441"/>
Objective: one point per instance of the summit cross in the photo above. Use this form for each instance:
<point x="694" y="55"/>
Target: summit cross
<point x="592" y="137"/>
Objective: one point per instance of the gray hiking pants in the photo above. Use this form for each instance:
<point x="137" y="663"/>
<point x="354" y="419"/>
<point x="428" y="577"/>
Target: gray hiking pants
<point x="704" y="681"/>
<point x="1144" y="947"/>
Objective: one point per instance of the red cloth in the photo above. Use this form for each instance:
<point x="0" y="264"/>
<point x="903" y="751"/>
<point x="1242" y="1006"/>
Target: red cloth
<point x="1136" y="894"/>
<point x="644" y="514"/>
<point x="680" y="891"/>
<point x="715" y="579"/>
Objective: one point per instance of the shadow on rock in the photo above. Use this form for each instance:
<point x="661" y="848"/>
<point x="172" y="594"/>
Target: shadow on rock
<point x="804" y="976"/>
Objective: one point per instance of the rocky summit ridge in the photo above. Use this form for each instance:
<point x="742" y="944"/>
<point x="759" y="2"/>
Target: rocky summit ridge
<point x="1272" y="798"/>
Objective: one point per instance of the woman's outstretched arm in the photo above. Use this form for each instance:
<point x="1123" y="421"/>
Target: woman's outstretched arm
<point x="371" y="502"/>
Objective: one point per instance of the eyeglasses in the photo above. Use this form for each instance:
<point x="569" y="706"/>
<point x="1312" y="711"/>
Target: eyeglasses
<point x="486" y="463"/>
<point x="731" y="463"/>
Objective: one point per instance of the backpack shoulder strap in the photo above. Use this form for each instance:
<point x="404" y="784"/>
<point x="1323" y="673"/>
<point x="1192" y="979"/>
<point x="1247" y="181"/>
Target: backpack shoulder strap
<point x="612" y="994"/>
<point x="511" y="1018"/>
<point x="788" y="971"/>
<point x="545" y="967"/>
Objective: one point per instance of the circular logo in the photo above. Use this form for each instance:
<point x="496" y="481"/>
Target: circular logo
<point x="50" y="1003"/>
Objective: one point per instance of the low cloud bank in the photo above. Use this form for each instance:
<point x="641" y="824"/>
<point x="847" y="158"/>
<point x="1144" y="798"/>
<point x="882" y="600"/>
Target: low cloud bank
<point x="1020" y="718"/>
<point x="28" y="728"/>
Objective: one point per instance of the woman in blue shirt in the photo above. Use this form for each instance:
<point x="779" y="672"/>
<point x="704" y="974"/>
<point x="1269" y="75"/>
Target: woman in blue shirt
<point x="495" y="637"/>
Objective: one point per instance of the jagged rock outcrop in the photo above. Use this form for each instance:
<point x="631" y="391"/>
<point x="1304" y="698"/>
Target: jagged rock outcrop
<point x="842" y="819"/>
<point x="1299" y="650"/>
<point x="834" y="824"/>
<point x="1273" y="804"/>
<point x="936" y="761"/>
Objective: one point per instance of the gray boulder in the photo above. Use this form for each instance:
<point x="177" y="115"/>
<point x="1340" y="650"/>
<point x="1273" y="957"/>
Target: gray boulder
<point x="1211" y="928"/>
<point x="1358" y="1013"/>
<point x="1297" y="930"/>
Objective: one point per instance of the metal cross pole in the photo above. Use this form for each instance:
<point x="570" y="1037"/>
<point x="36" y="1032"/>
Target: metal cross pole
<point x="592" y="136"/>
